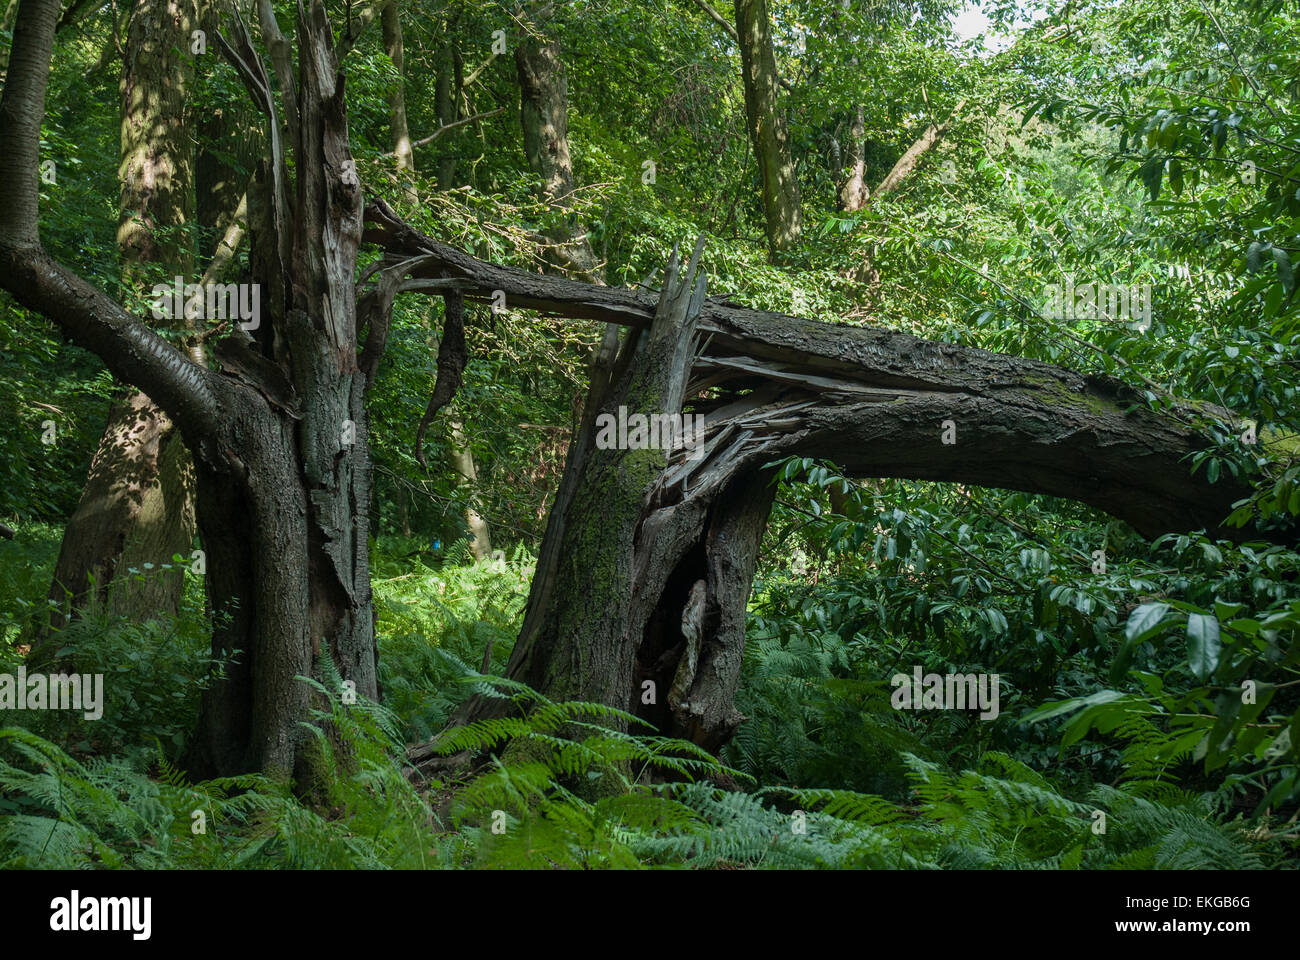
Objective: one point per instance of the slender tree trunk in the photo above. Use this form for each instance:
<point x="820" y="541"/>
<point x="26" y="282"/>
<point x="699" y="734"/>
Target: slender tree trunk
<point x="544" y="116"/>
<point x="7" y="24"/>
<point x="391" y="26"/>
<point x="480" y="541"/>
<point x="865" y="271"/>
<point x="137" y="506"/>
<point x="461" y="458"/>
<point x="230" y="142"/>
<point x="767" y="127"/>
<point x="905" y="164"/>
<point x="854" y="193"/>
<point x="448" y="91"/>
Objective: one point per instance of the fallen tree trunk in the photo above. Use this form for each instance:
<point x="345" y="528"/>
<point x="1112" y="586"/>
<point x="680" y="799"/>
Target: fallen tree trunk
<point x="875" y="400"/>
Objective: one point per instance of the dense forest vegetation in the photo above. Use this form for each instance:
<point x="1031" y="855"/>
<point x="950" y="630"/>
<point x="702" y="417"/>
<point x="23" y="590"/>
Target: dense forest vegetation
<point x="598" y="434"/>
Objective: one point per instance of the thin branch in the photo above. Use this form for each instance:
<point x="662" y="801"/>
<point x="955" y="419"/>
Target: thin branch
<point x="355" y="28"/>
<point x="1249" y="79"/>
<point x="726" y="25"/>
<point x="452" y="126"/>
<point x="719" y="19"/>
<point x="77" y="11"/>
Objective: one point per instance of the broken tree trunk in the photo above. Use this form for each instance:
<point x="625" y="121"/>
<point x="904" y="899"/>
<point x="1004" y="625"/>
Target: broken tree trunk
<point x="645" y="568"/>
<point x="279" y="433"/>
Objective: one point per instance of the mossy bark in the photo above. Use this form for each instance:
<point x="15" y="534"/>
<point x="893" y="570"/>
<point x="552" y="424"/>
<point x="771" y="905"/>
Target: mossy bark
<point x="137" y="506"/>
<point x="768" y="132"/>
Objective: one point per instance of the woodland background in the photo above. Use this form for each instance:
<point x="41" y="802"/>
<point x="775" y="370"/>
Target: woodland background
<point x="916" y="180"/>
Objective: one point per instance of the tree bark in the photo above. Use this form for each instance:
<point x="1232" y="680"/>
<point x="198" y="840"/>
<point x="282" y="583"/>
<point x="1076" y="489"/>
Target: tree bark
<point x="279" y="433"/>
<point x="1086" y="437"/>
<point x="480" y="540"/>
<point x="923" y="144"/>
<point x="400" y="133"/>
<point x="137" y="506"/>
<point x="767" y="127"/>
<point x="544" y="116"/>
<point x="448" y="91"/>
<point x="854" y="193"/>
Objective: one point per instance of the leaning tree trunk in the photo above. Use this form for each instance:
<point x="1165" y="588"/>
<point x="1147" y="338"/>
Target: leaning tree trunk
<point x="137" y="506"/>
<point x="898" y="174"/>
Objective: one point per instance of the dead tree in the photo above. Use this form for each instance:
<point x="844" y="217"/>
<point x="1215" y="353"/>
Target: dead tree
<point x="645" y="569"/>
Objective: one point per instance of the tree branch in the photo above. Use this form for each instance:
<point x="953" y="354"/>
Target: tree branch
<point x="726" y="25"/>
<point x="355" y="28"/>
<point x="452" y="126"/>
<point x="913" y="154"/>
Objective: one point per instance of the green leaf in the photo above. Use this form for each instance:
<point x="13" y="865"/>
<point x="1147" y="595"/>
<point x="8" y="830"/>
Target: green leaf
<point x="1203" y="644"/>
<point x="1049" y="710"/>
<point x="1145" y="621"/>
<point x="1152" y="172"/>
<point x="1284" y="271"/>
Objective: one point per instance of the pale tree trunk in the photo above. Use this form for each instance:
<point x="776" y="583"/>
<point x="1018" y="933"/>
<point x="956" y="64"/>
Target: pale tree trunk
<point x="461" y="458"/>
<point x="391" y="27"/>
<point x="911" y="157"/>
<point x="768" y="133"/>
<point x="137" y="506"/>
<point x="854" y="193"/>
<point x="480" y="541"/>
<point x="230" y="141"/>
<point x="903" y="168"/>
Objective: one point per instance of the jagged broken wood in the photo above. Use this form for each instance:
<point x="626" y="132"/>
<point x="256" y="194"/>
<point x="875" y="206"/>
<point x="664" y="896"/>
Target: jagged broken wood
<point x="644" y="573"/>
